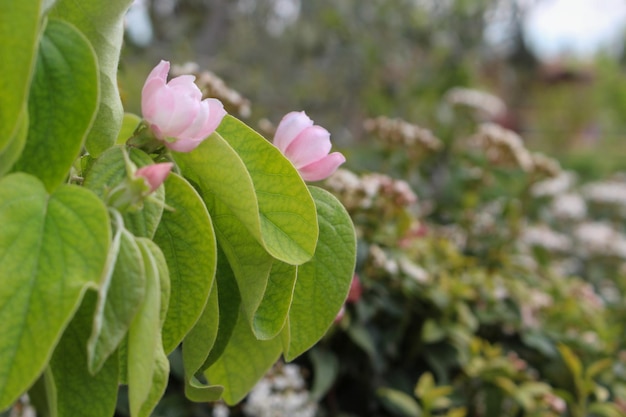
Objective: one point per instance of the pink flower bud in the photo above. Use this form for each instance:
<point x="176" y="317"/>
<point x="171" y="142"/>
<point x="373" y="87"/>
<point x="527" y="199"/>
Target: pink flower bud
<point x="154" y="174"/>
<point x="175" y="110"/>
<point x="307" y="146"/>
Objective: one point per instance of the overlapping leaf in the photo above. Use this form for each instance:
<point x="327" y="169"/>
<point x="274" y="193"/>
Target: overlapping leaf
<point x="59" y="119"/>
<point x="287" y="212"/>
<point x="19" y="31"/>
<point x="244" y="361"/>
<point x="271" y="315"/>
<point x="226" y="189"/>
<point x="11" y="153"/>
<point x="323" y="283"/>
<point x="102" y="22"/>
<point x="45" y="268"/>
<point x="196" y="348"/>
<point x="147" y="364"/>
<point x="81" y="393"/>
<point x="120" y="294"/>
<point x="185" y="235"/>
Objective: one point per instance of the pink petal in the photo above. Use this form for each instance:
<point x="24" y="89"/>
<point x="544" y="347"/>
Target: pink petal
<point x="309" y="146"/>
<point x="155" y="174"/>
<point x="216" y="114"/>
<point x="156" y="80"/>
<point x="184" y="84"/>
<point x="158" y="110"/>
<point x="323" y="168"/>
<point x="183" y="113"/>
<point x="194" y="129"/>
<point x="291" y="125"/>
<point x="183" y="145"/>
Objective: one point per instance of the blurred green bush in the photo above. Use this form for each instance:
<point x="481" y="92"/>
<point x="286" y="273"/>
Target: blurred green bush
<point x="496" y="288"/>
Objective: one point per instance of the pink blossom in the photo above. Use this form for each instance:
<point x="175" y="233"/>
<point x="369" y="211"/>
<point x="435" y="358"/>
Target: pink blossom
<point x="175" y="110"/>
<point x="354" y="295"/>
<point x="154" y="174"/>
<point x="307" y="146"/>
<point x="356" y="289"/>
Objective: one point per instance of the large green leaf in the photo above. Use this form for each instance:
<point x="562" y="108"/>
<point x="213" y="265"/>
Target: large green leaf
<point x="102" y="22"/>
<point x="226" y="189"/>
<point x="196" y="347"/>
<point x="62" y="104"/>
<point x="147" y="364"/>
<point x="109" y="170"/>
<point x="244" y="361"/>
<point x="287" y="212"/>
<point x="46" y="266"/>
<point x="323" y="283"/>
<point x="11" y="153"/>
<point x="164" y="276"/>
<point x="221" y="176"/>
<point x="43" y="394"/>
<point x="229" y="303"/>
<point x="81" y="393"/>
<point x="19" y="31"/>
<point x="271" y="315"/>
<point x="185" y="235"/>
<point x="119" y="297"/>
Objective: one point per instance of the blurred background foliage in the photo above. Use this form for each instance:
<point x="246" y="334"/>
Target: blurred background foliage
<point x="484" y="183"/>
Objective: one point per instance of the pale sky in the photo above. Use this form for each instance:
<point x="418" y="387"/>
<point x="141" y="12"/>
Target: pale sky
<point x="575" y="27"/>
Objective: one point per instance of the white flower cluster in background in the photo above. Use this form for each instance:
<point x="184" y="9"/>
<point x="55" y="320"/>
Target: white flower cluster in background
<point x="400" y="132"/>
<point x="569" y="206"/>
<point x="488" y="105"/>
<point x="547" y="238"/>
<point x="562" y="183"/>
<point x="369" y="190"/>
<point x="281" y="393"/>
<point x="606" y="192"/>
<point x="502" y="147"/>
<point x="600" y="239"/>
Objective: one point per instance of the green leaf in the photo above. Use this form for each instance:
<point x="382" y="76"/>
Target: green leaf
<point x="597" y="368"/>
<point x="323" y="283"/>
<point x="11" y="153"/>
<point x="226" y="189"/>
<point x="158" y="384"/>
<point x="62" y="104"/>
<point x="145" y="350"/>
<point x="129" y="124"/>
<point x="200" y="340"/>
<point x="229" y="302"/>
<point x="196" y="348"/>
<point x="287" y="211"/>
<point x="43" y="394"/>
<point x="81" y="393"/>
<point x="250" y="263"/>
<point x="164" y="277"/>
<point x="119" y="297"/>
<point x="605" y="410"/>
<point x="185" y="235"/>
<point x="50" y="265"/>
<point x="109" y="170"/>
<point x="102" y="22"/>
<point x="19" y="31"/>
<point x="271" y="315"/>
<point x="572" y="362"/>
<point x="398" y="402"/>
<point x="244" y="361"/>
